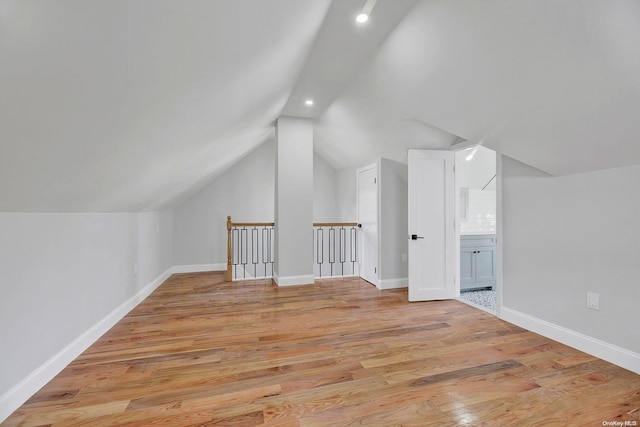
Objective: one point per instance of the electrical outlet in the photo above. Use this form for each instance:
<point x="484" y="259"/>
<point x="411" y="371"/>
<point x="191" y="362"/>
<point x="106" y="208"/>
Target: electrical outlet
<point x="593" y="301"/>
<point x="404" y="257"/>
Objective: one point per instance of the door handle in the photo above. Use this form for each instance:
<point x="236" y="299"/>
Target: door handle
<point x="416" y="237"/>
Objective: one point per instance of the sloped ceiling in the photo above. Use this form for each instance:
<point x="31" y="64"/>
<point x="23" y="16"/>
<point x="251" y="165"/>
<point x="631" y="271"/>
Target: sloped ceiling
<point x="554" y="84"/>
<point x="119" y="105"/>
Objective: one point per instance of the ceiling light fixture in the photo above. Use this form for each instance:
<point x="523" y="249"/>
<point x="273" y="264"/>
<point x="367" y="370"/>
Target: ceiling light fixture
<point x="473" y="153"/>
<point x="308" y="102"/>
<point x="362" y="18"/>
<point x="364" y="14"/>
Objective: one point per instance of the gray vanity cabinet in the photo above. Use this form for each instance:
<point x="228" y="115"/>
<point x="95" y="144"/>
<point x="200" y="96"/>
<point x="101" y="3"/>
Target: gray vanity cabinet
<point x="477" y="261"/>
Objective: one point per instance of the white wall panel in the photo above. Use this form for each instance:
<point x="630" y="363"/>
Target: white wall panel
<point x="566" y="236"/>
<point x="61" y="274"/>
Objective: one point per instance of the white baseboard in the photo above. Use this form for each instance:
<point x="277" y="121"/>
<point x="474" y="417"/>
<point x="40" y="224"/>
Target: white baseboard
<point x="394" y="283"/>
<point x="593" y="346"/>
<point x="21" y="392"/>
<point x="247" y="279"/>
<point x="294" y="280"/>
<point x="199" y="268"/>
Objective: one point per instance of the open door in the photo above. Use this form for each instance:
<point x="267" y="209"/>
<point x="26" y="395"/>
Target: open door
<point x="431" y="225"/>
<point x="367" y="206"/>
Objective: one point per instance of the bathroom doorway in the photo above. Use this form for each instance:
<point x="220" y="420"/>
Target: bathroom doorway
<point x="476" y="176"/>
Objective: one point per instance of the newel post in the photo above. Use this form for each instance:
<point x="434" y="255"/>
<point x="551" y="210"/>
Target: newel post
<point x="229" y="249"/>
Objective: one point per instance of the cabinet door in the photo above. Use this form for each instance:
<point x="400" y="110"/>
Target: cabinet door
<point x="485" y="263"/>
<point x="467" y="267"/>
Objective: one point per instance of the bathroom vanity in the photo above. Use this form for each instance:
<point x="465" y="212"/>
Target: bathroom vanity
<point x="477" y="261"/>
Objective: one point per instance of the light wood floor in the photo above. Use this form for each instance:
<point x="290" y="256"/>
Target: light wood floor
<point x="200" y="351"/>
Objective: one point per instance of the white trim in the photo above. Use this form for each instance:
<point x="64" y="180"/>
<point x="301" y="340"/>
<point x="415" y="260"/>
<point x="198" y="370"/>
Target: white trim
<point x="462" y="145"/>
<point x="499" y="234"/>
<point x="601" y="349"/>
<point x="307" y="279"/>
<point x="246" y="279"/>
<point x="394" y="283"/>
<point x="346" y="276"/>
<point x="199" y="268"/>
<point x="21" y="392"/>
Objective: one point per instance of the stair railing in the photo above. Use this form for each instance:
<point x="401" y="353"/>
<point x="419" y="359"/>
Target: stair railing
<point x="250" y="249"/>
<point x="335" y="249"/>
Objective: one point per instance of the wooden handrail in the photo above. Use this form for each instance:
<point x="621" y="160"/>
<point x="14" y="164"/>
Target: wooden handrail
<point x="253" y="224"/>
<point x="272" y="224"/>
<point x="229" y="250"/>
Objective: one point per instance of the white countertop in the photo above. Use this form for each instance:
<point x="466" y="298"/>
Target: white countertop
<point x="478" y="233"/>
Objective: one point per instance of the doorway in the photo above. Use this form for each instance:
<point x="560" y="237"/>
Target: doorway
<point x="367" y="214"/>
<point x="476" y="186"/>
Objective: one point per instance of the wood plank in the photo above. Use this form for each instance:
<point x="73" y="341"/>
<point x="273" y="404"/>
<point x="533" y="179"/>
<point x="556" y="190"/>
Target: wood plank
<point x="204" y="351"/>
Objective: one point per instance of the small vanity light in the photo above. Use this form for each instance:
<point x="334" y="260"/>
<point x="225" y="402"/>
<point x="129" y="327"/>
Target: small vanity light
<point x="473" y="153"/>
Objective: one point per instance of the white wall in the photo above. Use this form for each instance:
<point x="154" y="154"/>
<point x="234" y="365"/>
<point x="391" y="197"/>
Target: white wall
<point x="324" y="191"/>
<point x="477" y="198"/>
<point x="564" y="236"/>
<point x="393" y="222"/>
<point x="63" y="273"/>
<point x="346" y="194"/>
<point x="477" y="172"/>
<point x="480" y="212"/>
<point x="293" y="241"/>
<point x="245" y="192"/>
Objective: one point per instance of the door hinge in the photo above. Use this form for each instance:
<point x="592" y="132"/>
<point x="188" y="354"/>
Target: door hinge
<point x="375" y="180"/>
<point x="375" y="270"/>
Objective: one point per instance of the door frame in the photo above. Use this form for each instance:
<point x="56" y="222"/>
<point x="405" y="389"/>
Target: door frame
<point x="375" y="165"/>
<point x="499" y="231"/>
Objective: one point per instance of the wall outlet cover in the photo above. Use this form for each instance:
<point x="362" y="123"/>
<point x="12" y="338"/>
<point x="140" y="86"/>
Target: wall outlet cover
<point x="593" y="300"/>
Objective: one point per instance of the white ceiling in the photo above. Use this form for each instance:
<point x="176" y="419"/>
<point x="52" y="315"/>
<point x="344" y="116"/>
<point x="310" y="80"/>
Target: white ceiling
<point x="116" y="105"/>
<point x="554" y="84"/>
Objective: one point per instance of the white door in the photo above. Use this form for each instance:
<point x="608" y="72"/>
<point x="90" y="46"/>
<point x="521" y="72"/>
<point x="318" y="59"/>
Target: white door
<point x="431" y="225"/>
<point x="368" y="218"/>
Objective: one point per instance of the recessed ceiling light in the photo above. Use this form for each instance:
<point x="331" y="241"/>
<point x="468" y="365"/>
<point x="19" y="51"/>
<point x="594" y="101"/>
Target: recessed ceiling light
<point x="308" y="102"/>
<point x="362" y="18"/>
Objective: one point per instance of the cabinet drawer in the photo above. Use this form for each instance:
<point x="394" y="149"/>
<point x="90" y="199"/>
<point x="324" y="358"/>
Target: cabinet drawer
<point x="482" y="240"/>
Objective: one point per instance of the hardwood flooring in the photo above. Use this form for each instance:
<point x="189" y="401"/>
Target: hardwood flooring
<point x="202" y="351"/>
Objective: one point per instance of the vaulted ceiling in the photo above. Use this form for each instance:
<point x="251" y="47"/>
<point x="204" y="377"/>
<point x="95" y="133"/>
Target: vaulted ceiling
<point x="119" y="105"/>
